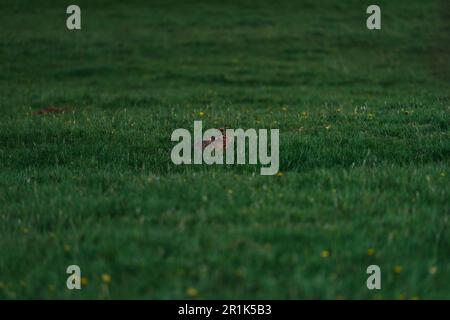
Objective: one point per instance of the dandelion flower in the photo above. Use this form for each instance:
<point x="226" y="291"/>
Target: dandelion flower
<point x="370" y="252"/>
<point x="398" y="269"/>
<point x="84" y="281"/>
<point x="325" y="254"/>
<point x="201" y="113"/>
<point x="106" y="278"/>
<point x="192" y="292"/>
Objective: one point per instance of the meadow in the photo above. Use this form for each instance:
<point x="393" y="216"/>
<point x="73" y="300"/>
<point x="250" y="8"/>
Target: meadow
<point x="364" y="120"/>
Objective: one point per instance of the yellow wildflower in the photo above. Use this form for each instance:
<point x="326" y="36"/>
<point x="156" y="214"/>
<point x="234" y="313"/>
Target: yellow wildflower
<point x="192" y="292"/>
<point x="325" y="254"/>
<point x="398" y="269"/>
<point x="84" y="281"/>
<point x="106" y="278"/>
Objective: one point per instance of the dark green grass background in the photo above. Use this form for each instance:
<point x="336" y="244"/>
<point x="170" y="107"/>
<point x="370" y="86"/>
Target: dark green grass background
<point x="365" y="147"/>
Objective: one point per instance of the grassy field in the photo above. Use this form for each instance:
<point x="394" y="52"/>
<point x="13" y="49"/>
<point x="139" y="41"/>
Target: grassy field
<point x="364" y="121"/>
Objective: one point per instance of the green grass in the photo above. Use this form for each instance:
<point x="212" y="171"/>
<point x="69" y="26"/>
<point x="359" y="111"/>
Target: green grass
<point x="365" y="146"/>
